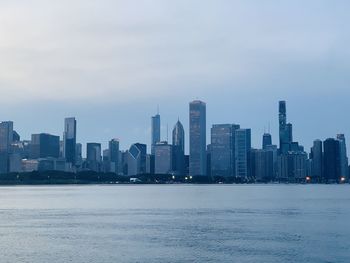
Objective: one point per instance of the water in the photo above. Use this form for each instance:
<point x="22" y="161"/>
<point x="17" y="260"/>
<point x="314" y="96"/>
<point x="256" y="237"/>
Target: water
<point x="175" y="223"/>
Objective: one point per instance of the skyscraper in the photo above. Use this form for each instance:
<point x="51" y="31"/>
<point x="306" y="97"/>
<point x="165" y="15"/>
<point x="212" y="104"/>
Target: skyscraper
<point x="6" y="139"/>
<point x="114" y="155"/>
<point x="155" y="131"/>
<point x="223" y="149"/>
<point x="137" y="157"/>
<point x="242" y="150"/>
<point x="344" y="170"/>
<point x="179" y="148"/>
<point x="93" y="156"/>
<point x="316" y="157"/>
<point x="267" y="140"/>
<point x="6" y="136"/>
<point x="285" y="129"/>
<point x="70" y="140"/>
<point x="198" y="157"/>
<point x="332" y="162"/>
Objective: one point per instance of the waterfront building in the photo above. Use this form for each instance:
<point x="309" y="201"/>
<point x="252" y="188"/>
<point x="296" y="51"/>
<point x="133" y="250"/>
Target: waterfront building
<point x="137" y="156"/>
<point x="179" y="149"/>
<point x="155" y="131"/>
<point x="242" y="152"/>
<point x="93" y="156"/>
<point x="332" y="160"/>
<point x="44" y="145"/>
<point x="343" y="156"/>
<point x="163" y="158"/>
<point x="198" y="156"/>
<point x="113" y="147"/>
<point x="316" y="157"/>
<point x="223" y="149"/>
<point x="70" y="140"/>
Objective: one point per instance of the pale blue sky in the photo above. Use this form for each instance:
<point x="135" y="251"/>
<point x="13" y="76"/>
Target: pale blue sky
<point x="110" y="62"/>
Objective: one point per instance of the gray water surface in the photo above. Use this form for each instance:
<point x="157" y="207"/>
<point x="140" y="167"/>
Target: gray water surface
<point x="175" y="223"/>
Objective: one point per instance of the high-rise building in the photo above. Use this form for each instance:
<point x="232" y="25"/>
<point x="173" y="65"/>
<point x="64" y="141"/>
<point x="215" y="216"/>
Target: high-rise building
<point x="6" y="139"/>
<point x="332" y="159"/>
<point x="155" y="131"/>
<point x="344" y="170"/>
<point x="6" y="136"/>
<point x="267" y="140"/>
<point x="223" y="149"/>
<point x="285" y="129"/>
<point x="113" y="147"/>
<point x="316" y="157"/>
<point x="179" y="149"/>
<point x="79" y="154"/>
<point x="242" y="151"/>
<point x="44" y="145"/>
<point x="70" y="140"/>
<point x="163" y="158"/>
<point x="198" y="156"/>
<point x="262" y="165"/>
<point x="137" y="159"/>
<point x="93" y="156"/>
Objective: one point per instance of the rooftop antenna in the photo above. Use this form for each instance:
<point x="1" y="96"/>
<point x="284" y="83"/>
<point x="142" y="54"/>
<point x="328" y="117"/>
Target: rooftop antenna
<point x="269" y="128"/>
<point x="158" y="109"/>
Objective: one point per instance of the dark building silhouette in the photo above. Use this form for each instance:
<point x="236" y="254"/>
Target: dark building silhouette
<point x="155" y="131"/>
<point x="332" y="159"/>
<point x="343" y="156"/>
<point x="285" y="129"/>
<point x="44" y="145"/>
<point x="179" y="149"/>
<point x="267" y="140"/>
<point x="198" y="156"/>
<point x="93" y="156"/>
<point x="70" y="140"/>
<point x="316" y="157"/>
<point x="114" y="157"/>
<point x="262" y="165"/>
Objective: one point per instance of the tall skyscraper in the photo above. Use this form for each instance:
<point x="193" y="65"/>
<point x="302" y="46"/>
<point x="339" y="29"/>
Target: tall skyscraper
<point x="70" y="140"/>
<point x="114" y="155"/>
<point x="6" y="136"/>
<point x="179" y="148"/>
<point x="198" y="156"/>
<point x="332" y="162"/>
<point x="343" y="156"/>
<point x="242" y="150"/>
<point x="93" y="156"/>
<point x="223" y="149"/>
<point x="267" y="140"/>
<point x="316" y="157"/>
<point x="155" y="131"/>
<point x="285" y="129"/>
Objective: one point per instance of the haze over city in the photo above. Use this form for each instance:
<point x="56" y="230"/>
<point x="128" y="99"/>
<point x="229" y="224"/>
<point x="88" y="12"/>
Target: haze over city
<point x="110" y="63"/>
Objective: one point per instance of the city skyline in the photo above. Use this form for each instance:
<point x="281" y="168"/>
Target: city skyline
<point x="167" y="128"/>
<point x="238" y="57"/>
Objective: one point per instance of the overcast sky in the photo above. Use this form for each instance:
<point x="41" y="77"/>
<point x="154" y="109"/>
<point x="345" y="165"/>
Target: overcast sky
<point x="110" y="62"/>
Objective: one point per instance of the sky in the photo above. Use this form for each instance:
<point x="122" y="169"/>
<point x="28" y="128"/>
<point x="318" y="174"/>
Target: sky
<point x="110" y="63"/>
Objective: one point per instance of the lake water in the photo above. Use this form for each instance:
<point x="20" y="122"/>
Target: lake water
<point x="175" y="223"/>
